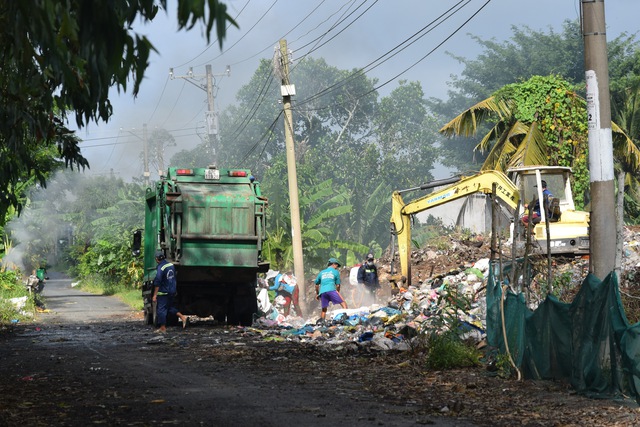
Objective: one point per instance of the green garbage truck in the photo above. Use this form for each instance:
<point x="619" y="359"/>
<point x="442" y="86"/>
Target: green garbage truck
<point x="210" y="223"/>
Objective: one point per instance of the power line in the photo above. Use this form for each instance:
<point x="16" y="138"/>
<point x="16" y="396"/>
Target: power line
<point x="175" y="103"/>
<point x="270" y="46"/>
<point x="129" y="142"/>
<point x="244" y="35"/>
<point x="392" y="52"/>
<point x="432" y="50"/>
<point x="159" y="99"/>
<point x="451" y="12"/>
<point x="268" y="132"/>
<point x="216" y="40"/>
<point x="339" y="32"/>
<point x="254" y="108"/>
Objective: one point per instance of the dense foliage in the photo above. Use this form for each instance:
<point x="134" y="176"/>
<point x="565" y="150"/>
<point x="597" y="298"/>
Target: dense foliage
<point x="85" y="224"/>
<point x="526" y="54"/>
<point x="64" y="56"/>
<point x="356" y="145"/>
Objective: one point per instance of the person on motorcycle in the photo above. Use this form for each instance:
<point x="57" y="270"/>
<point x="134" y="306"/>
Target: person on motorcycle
<point x="33" y="283"/>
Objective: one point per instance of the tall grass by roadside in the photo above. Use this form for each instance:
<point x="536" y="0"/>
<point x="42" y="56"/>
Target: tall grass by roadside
<point x="11" y="291"/>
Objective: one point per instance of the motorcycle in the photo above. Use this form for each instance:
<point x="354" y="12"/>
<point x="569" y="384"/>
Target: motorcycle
<point x="35" y="282"/>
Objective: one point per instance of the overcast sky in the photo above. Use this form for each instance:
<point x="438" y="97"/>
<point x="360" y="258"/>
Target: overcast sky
<point x="356" y="32"/>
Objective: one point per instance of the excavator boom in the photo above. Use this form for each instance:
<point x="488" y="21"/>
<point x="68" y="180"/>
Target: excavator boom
<point x="568" y="227"/>
<point x="480" y="183"/>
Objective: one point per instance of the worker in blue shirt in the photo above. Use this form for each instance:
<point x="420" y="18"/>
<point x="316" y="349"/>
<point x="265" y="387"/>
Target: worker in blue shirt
<point x="328" y="287"/>
<point x="535" y="214"/>
<point x="164" y="291"/>
<point x="286" y="285"/>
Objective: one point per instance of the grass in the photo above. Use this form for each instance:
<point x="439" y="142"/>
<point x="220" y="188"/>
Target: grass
<point x="130" y="296"/>
<point x="11" y="287"/>
<point x="448" y="351"/>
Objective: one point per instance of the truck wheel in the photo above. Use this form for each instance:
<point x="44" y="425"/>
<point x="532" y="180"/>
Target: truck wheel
<point x="245" y="306"/>
<point x="150" y="315"/>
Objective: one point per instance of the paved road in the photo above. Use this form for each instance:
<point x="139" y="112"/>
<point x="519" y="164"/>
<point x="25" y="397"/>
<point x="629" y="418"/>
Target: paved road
<point x="89" y="361"/>
<point x="67" y="304"/>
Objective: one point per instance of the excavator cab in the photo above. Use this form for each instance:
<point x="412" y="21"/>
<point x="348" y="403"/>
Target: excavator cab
<point x="529" y="179"/>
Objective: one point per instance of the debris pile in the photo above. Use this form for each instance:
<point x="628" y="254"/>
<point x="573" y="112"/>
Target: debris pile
<point x="448" y="289"/>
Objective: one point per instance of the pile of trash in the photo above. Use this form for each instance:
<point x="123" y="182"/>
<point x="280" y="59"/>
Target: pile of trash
<point x="404" y="318"/>
<point x="448" y="290"/>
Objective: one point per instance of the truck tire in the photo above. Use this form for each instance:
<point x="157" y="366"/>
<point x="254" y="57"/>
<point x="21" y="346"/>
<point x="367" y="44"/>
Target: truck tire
<point x="150" y="315"/>
<point x="247" y="306"/>
<point x="242" y="307"/>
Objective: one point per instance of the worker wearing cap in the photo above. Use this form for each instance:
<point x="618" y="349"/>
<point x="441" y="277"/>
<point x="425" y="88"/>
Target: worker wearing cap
<point x="368" y="276"/>
<point x="164" y="290"/>
<point x="328" y="287"/>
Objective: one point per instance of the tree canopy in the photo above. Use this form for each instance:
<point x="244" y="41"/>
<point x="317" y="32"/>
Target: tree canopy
<point x="59" y="59"/>
<point x="540" y="121"/>
<point x="349" y="141"/>
<point x="526" y="54"/>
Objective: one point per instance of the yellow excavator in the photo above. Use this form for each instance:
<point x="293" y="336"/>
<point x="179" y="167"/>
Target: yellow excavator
<point x="568" y="228"/>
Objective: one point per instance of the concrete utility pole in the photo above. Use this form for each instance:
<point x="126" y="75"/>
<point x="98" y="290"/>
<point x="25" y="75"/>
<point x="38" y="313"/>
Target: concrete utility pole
<point x="288" y="90"/>
<point x="603" y="225"/>
<point x="211" y="116"/>
<point x="145" y="143"/>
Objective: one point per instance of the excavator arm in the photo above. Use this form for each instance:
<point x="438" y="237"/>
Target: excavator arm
<point x="463" y="186"/>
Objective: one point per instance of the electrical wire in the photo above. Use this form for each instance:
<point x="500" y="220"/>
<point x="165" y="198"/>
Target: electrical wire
<point x="380" y="60"/>
<point x="452" y="11"/>
<point x="175" y="103"/>
<point x="216" y="40"/>
<point x="432" y="50"/>
<point x="193" y="129"/>
<point x="318" y="46"/>
<point x="204" y="104"/>
<point x="269" y="131"/>
<point x="260" y="99"/>
<point x="392" y="52"/>
<point x="323" y="22"/>
<point x="159" y="99"/>
<point x="253" y="109"/>
<point x="243" y="36"/>
<point x="285" y="35"/>
<point x="112" y="149"/>
<point x="337" y="85"/>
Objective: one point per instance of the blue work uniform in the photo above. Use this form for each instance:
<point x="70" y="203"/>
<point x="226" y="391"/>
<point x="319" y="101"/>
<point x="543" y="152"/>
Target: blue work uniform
<point x="368" y="275"/>
<point x="166" y="283"/>
<point x="546" y="194"/>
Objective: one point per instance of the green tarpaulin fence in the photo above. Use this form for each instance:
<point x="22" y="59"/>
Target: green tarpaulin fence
<point x="588" y="342"/>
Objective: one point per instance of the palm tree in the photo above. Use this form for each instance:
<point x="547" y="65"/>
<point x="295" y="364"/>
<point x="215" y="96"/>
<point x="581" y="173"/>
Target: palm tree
<point x="625" y="105"/>
<point x="538" y="122"/>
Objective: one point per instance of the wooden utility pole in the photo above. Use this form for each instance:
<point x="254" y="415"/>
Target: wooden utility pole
<point x="288" y="90"/>
<point x="603" y="225"/>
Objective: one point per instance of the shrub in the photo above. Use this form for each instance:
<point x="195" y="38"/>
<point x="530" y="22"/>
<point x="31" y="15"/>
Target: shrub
<point x="448" y="351"/>
<point x="11" y="286"/>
